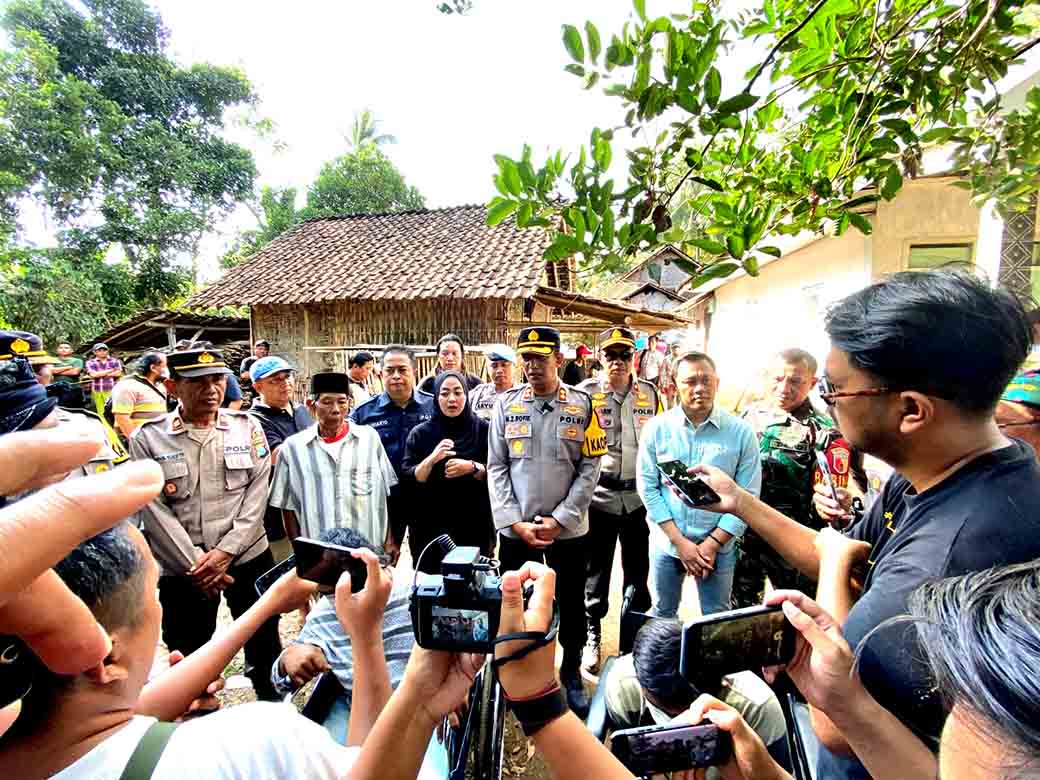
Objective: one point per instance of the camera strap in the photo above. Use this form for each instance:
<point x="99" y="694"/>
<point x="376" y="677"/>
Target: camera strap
<point x="537" y="640"/>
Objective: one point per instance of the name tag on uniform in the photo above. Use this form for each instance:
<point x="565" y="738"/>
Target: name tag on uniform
<point x="518" y="408"/>
<point x="168" y="456"/>
<point x="567" y="419"/>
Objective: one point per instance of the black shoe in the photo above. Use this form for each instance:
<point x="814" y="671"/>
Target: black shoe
<point x="577" y="699"/>
<point x="590" y="653"/>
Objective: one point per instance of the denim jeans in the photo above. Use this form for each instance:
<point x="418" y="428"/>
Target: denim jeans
<point x="669" y="574"/>
<point x="435" y="762"/>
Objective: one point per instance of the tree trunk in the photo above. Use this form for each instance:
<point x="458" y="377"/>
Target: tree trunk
<point x="1016" y="254"/>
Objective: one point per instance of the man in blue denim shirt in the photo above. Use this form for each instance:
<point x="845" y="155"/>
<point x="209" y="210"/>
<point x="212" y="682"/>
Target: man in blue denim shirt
<point x="686" y="540"/>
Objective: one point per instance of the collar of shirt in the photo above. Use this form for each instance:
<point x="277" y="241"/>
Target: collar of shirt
<point x="384" y="401"/>
<point x="262" y="408"/>
<point x="715" y="418"/>
<point x="311" y="435"/>
<point x="175" y="423"/>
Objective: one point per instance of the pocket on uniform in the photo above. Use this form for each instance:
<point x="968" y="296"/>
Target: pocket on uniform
<point x="518" y="440"/>
<point x="569" y="438"/>
<point x="175" y="478"/>
<point x="236" y="470"/>
<point x="361" y="482"/>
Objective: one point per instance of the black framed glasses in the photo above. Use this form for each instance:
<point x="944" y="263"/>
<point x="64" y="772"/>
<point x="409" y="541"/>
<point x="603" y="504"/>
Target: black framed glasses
<point x="830" y="395"/>
<point x="626" y="355"/>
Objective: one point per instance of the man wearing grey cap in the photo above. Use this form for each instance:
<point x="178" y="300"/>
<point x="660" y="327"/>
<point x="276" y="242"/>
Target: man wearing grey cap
<point x="500" y="361"/>
<point x="206" y="528"/>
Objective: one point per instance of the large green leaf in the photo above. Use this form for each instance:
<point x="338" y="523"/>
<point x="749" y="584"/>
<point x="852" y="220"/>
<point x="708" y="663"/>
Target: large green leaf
<point x="737" y="103"/>
<point x="735" y="244"/>
<point x="595" y="46"/>
<point x="511" y="177"/>
<point x="707" y="245"/>
<point x="572" y="43"/>
<point x="716" y="271"/>
<point x="892" y="184"/>
<point x="713" y="87"/>
<point x="499" y="209"/>
<point x="861" y="223"/>
<point x="640" y="6"/>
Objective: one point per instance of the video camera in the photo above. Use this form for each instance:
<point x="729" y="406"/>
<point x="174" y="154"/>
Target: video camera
<point x="459" y="609"/>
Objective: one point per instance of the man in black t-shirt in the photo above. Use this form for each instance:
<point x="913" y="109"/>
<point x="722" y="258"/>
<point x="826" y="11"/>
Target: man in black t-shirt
<point x="917" y="364"/>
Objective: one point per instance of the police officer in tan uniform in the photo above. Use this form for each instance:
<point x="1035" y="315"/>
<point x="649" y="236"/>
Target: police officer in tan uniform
<point x="206" y="528"/>
<point x="26" y="404"/>
<point x="501" y="361"/>
<point x="544" y="452"/>
<point x="623" y="405"/>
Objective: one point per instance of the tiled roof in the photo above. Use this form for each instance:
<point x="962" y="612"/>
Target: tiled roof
<point x="408" y="255"/>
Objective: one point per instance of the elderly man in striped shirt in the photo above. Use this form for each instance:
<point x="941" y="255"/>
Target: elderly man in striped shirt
<point x="334" y="473"/>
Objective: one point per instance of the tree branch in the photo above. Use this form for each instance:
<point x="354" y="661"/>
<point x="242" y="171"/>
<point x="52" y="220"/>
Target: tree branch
<point x="994" y="6"/>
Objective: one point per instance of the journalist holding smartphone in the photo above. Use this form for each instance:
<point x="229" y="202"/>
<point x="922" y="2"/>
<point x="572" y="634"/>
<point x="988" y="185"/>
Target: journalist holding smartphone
<point x="686" y="540"/>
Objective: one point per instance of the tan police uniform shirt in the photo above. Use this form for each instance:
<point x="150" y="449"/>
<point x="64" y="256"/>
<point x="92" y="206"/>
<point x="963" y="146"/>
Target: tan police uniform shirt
<point x="543" y="458"/>
<point x="623" y="417"/>
<point x="214" y="492"/>
<point x="482" y="399"/>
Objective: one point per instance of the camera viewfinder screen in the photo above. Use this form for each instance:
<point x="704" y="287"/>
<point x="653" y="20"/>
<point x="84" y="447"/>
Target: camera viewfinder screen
<point x="459" y="625"/>
<point x="758" y="639"/>
<point x="672" y="750"/>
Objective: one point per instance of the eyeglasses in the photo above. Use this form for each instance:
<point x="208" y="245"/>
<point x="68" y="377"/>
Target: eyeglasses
<point x="625" y="356"/>
<point x="830" y="395"/>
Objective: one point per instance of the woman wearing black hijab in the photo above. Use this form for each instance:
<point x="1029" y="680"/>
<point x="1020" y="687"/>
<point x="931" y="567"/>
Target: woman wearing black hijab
<point x="445" y="463"/>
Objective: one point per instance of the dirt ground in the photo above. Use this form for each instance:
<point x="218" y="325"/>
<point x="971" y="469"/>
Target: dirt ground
<point x="521" y="762"/>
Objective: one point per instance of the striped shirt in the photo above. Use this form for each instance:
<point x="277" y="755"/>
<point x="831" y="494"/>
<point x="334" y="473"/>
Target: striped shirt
<point x="138" y="398"/>
<point x="343" y="485"/>
<point x="323" y="630"/>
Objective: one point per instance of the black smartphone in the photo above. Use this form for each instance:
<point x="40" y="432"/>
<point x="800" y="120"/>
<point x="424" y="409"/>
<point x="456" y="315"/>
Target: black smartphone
<point x="267" y="579"/>
<point x="697" y="492"/>
<point x="323" y="563"/>
<point x="653" y="750"/>
<point x="733" y="641"/>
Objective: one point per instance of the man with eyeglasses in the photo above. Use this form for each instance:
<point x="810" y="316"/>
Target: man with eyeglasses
<point x="790" y="432"/>
<point x="623" y="405"/>
<point x="916" y="367"/>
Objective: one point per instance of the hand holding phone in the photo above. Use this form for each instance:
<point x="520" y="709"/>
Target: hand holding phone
<point x="691" y="489"/>
<point x="673" y="747"/>
<point x="729" y="642"/>
<point x="323" y="563"/>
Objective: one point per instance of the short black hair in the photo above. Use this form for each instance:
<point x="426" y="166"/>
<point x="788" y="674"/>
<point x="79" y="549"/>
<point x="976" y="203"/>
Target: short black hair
<point x="655" y="655"/>
<point x="794" y="356"/>
<point x="149" y="359"/>
<point x="399" y="349"/>
<point x="451" y="337"/>
<point x="943" y="333"/>
<point x="348" y="537"/>
<point x="695" y="356"/>
<point x="980" y="634"/>
<point x="360" y="358"/>
<point x="107" y="573"/>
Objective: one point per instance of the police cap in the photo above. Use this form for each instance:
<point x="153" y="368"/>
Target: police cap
<point x="19" y="344"/>
<point x="617" y="337"/>
<point x="197" y="362"/>
<point x="23" y="400"/>
<point x="538" y="340"/>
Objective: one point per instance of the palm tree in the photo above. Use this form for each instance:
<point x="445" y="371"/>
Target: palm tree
<point x="365" y="132"/>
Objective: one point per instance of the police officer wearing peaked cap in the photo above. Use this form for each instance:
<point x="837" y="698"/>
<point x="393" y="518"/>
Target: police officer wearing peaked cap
<point x="25" y="404"/>
<point x="206" y="527"/>
<point x="623" y="405"/>
<point x="501" y="363"/>
<point x="544" y="451"/>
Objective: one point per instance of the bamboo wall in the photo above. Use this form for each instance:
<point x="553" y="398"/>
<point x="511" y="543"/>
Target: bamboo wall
<point x="295" y="332"/>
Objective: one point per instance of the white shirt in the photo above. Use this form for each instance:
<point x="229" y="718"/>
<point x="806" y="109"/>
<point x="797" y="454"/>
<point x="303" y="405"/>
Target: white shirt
<point x="250" y="741"/>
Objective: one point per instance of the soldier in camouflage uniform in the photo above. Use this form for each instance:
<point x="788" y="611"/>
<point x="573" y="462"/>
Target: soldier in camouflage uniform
<point x="790" y="432"/>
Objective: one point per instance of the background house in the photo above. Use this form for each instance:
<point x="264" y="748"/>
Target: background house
<point x="332" y="286"/>
<point x="656" y="282"/>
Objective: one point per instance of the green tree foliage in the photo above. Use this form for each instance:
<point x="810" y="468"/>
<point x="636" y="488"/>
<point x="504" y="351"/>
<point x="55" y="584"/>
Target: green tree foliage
<point x="832" y="118"/>
<point x="275" y="212"/>
<point x="365" y="131"/>
<point x="117" y="142"/>
<point x="361" y="182"/>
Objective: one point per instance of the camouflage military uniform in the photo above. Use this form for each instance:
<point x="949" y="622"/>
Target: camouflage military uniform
<point x="788" y="443"/>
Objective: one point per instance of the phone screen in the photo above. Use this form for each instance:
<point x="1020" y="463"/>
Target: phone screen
<point x="657" y="749"/>
<point x="694" y="488"/>
<point x="729" y="642"/>
<point x="825" y="472"/>
<point x="323" y="563"/>
<point x="268" y="578"/>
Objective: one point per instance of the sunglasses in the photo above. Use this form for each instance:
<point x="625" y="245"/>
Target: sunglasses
<point x="830" y="395"/>
<point x="611" y="355"/>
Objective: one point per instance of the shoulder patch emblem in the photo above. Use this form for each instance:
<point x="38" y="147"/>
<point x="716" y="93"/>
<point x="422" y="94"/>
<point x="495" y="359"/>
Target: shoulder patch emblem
<point x="169" y="488"/>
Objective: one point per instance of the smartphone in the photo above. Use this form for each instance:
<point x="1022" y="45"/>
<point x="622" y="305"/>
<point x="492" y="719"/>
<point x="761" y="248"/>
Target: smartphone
<point x="653" y="750"/>
<point x="733" y="641"/>
<point x="322" y="562"/>
<point x="695" y="490"/>
<point x="267" y="579"/>
<point x="825" y="470"/>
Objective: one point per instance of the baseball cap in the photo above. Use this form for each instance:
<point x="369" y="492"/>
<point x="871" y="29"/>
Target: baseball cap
<point x="266" y="366"/>
<point x="500" y="352"/>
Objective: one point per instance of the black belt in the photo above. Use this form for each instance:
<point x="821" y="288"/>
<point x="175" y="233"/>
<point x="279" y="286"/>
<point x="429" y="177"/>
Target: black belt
<point x="613" y="483"/>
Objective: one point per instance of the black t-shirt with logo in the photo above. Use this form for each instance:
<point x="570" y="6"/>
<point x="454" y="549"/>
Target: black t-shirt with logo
<point x="985" y="514"/>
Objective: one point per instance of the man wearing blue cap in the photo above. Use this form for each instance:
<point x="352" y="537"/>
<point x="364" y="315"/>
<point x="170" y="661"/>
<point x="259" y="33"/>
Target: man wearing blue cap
<point x="273" y="380"/>
<point x="500" y="360"/>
